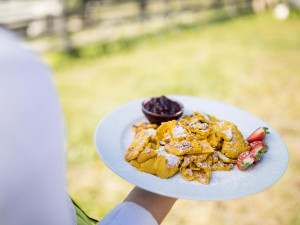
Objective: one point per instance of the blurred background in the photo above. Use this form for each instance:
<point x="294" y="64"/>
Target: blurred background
<point x="105" y="53"/>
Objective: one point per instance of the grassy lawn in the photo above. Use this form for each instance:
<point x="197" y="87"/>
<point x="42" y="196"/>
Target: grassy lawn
<point x="251" y="62"/>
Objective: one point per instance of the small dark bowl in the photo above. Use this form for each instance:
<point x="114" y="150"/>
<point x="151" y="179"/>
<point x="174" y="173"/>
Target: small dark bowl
<point x="155" y="118"/>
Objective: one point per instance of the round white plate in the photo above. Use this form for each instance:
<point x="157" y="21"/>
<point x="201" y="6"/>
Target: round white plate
<point x="114" y="135"/>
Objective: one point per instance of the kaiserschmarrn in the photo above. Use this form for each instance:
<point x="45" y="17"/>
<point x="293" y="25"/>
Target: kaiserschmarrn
<point x="194" y="146"/>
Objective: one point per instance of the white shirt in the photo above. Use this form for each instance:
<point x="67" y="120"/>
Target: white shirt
<point x="32" y="180"/>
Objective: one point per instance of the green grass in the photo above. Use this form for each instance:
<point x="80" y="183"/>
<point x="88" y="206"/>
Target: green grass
<point x="251" y="62"/>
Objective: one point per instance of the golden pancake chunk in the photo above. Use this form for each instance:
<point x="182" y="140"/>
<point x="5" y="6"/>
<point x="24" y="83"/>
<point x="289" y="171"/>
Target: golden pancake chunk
<point x="146" y="154"/>
<point x="234" y="147"/>
<point x="143" y="126"/>
<point x="166" y="164"/>
<point x="222" y="166"/>
<point x="183" y="147"/>
<point x="140" y="141"/>
<point x="224" y="159"/>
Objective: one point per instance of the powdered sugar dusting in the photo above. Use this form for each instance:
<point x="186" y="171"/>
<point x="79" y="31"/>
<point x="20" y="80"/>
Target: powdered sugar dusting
<point x="220" y="123"/>
<point x="172" y="160"/>
<point x="168" y="137"/>
<point x="234" y="177"/>
<point x="201" y="176"/>
<point x="150" y="132"/>
<point x="200" y="126"/>
<point x="203" y="165"/>
<point x="184" y="145"/>
<point x="189" y="172"/>
<point x="228" y="133"/>
<point x="147" y="150"/>
<point x="221" y="156"/>
<point x="178" y="132"/>
<point x="206" y="117"/>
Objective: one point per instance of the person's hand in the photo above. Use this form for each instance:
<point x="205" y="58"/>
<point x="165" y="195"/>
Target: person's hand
<point x="158" y="205"/>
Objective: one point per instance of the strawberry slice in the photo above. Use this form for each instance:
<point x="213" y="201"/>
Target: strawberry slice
<point x="259" y="150"/>
<point x="245" y="160"/>
<point x="258" y="135"/>
<point x="254" y="143"/>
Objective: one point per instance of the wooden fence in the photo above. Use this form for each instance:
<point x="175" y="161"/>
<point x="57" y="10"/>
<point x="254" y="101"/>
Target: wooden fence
<point x="118" y="18"/>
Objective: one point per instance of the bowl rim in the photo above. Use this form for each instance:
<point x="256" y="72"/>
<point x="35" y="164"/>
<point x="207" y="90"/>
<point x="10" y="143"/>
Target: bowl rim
<point x="179" y="113"/>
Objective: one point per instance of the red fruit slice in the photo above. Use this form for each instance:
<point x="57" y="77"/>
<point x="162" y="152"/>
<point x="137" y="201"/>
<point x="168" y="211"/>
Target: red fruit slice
<point x="258" y="135"/>
<point x="259" y="150"/>
<point x="254" y="143"/>
<point x="245" y="160"/>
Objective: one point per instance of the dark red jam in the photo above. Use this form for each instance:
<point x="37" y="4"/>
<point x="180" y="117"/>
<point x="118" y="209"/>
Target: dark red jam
<point x="162" y="106"/>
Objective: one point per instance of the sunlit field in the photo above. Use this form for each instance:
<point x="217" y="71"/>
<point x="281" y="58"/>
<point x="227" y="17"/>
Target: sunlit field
<point x="252" y="62"/>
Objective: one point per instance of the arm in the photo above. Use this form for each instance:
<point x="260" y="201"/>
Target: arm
<point x="158" y="205"/>
<point x="140" y="207"/>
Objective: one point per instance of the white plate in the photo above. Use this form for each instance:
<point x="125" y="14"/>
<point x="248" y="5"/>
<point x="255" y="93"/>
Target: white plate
<point x="114" y="134"/>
